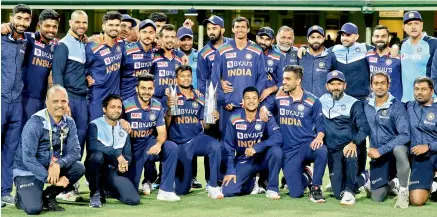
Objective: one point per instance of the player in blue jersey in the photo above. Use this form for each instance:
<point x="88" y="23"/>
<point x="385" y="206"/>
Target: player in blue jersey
<point x="301" y="122"/>
<point x="423" y="149"/>
<point x="417" y="52"/>
<point x="103" y="61"/>
<point x="284" y="45"/>
<point x="185" y="36"/>
<point x="381" y="60"/>
<point x="187" y="130"/>
<point x="149" y="137"/>
<point x="237" y="65"/>
<point x="251" y="146"/>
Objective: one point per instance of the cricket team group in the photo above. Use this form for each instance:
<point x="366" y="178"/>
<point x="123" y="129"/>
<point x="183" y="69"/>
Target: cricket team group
<point x="109" y="106"/>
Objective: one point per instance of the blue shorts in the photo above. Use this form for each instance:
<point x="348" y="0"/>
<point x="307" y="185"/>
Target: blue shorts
<point x="382" y="170"/>
<point x="422" y="171"/>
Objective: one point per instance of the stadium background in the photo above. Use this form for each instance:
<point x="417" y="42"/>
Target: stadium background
<point x="300" y="15"/>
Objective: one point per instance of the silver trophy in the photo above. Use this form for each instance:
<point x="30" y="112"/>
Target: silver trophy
<point x="210" y="103"/>
<point x="174" y="95"/>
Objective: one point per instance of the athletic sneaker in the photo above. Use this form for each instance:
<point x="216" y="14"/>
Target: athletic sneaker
<point x="395" y="185"/>
<point x="283" y="183"/>
<point x="195" y="183"/>
<point x="328" y="187"/>
<point x="368" y="189"/>
<point x="308" y="173"/>
<point x="316" y="195"/>
<point x="215" y="193"/>
<point x="71" y="196"/>
<point x="146" y="188"/>
<point x="8" y="200"/>
<point x="403" y="199"/>
<point x="167" y="196"/>
<point x="51" y="204"/>
<point x="76" y="187"/>
<point x="256" y="188"/>
<point x="272" y="195"/>
<point x="348" y="199"/>
<point x="95" y="201"/>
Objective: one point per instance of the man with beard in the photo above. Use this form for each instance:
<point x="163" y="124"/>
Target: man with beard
<point x="346" y="128"/>
<point x="68" y="70"/>
<point x="284" y="45"/>
<point x="237" y="65"/>
<point x="185" y="36"/>
<point x="317" y="62"/>
<point x="423" y="146"/>
<point x="381" y="60"/>
<point x="103" y="62"/>
<point x="251" y="146"/>
<point x="417" y="52"/>
<point x="389" y="134"/>
<point x="146" y="116"/>
<point x="126" y="26"/>
<point x="13" y="54"/>
<point x="165" y="61"/>
<point x="49" y="152"/>
<point x="301" y="123"/>
<point x="187" y="130"/>
<point x="109" y="155"/>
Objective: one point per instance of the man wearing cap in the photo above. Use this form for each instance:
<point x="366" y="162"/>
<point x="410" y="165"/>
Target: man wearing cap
<point x="215" y="28"/>
<point x="275" y="63"/>
<point x="317" y="62"/>
<point x="417" y="52"/>
<point x="238" y="64"/>
<point x="346" y="128"/>
<point x="389" y="134"/>
<point x="137" y="58"/>
<point x="380" y="59"/>
<point x="127" y="23"/>
<point x="284" y="45"/>
<point x="133" y="37"/>
<point x="185" y="36"/>
<point x="251" y="145"/>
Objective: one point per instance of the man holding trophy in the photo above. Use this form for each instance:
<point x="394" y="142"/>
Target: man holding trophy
<point x="185" y="112"/>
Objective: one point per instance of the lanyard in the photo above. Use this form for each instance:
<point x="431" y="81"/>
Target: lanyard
<point x="51" y="134"/>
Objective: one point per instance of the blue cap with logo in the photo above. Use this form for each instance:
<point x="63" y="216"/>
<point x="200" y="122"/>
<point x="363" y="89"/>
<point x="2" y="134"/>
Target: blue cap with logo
<point x="412" y="15"/>
<point x="315" y="28"/>
<point x="267" y="31"/>
<point x="335" y="75"/>
<point x="184" y="31"/>
<point x="145" y="23"/>
<point x="216" y="20"/>
<point x="126" y="17"/>
<point x="349" y="28"/>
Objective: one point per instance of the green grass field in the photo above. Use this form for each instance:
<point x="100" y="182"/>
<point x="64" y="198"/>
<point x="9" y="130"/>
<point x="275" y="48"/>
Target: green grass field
<point x="198" y="204"/>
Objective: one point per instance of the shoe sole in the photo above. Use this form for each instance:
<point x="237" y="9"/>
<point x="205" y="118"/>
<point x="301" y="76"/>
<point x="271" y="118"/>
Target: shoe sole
<point x="145" y="193"/>
<point x="96" y="206"/>
<point x="79" y="199"/>
<point x="317" y="201"/>
<point x="217" y="198"/>
<point x="7" y="203"/>
<point x="161" y="199"/>
<point x="274" y="198"/>
<point x="347" y="204"/>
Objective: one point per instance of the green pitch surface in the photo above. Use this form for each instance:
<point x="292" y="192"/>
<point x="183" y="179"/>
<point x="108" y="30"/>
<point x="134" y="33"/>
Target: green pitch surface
<point x="198" y="204"/>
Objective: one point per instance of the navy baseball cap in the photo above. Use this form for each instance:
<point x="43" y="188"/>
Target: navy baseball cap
<point x="412" y="15"/>
<point x="267" y="31"/>
<point x="315" y="28"/>
<point x="147" y="22"/>
<point x="184" y="31"/>
<point x="216" y="20"/>
<point x="349" y="28"/>
<point x="126" y="17"/>
<point x="335" y="75"/>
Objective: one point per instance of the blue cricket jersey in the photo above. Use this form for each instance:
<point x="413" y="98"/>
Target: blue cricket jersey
<point x="164" y="71"/>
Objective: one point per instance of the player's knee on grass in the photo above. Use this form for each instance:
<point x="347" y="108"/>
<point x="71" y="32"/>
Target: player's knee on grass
<point x="379" y="195"/>
<point x="418" y="197"/>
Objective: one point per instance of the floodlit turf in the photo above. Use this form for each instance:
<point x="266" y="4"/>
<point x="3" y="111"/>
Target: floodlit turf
<point x="198" y="204"/>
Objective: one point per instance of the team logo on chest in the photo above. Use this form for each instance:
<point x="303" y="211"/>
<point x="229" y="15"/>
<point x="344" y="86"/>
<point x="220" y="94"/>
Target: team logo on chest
<point x="300" y="107"/>
<point x="430" y="116"/>
<point x="388" y="62"/>
<point x="121" y="134"/>
<point x="195" y="105"/>
<point x="257" y="126"/>
<point x="248" y="56"/>
<point x="321" y="65"/>
<point x="270" y="62"/>
<point x="357" y="49"/>
<point x="419" y="50"/>
<point x="343" y="107"/>
<point x="152" y="116"/>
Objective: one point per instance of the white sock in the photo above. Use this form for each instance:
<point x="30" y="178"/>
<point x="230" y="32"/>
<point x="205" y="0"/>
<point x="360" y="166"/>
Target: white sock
<point x="434" y="187"/>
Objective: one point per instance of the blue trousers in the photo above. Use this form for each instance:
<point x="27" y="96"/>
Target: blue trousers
<point x="201" y="145"/>
<point x="270" y="160"/>
<point x="79" y="113"/>
<point x="12" y="114"/>
<point x="30" y="107"/>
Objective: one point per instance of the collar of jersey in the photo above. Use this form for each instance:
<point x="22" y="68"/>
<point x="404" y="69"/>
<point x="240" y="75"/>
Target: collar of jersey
<point x="243" y="115"/>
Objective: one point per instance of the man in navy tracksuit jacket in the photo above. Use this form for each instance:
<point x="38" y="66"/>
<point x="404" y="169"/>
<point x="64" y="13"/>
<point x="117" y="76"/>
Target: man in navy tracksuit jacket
<point x="251" y="145"/>
<point x="346" y="128"/>
<point x="422" y="113"/>
<point x="300" y="117"/>
<point x="13" y="51"/>
<point x="284" y="40"/>
<point x="389" y="134"/>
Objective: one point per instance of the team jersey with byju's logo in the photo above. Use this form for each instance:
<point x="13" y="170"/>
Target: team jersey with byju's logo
<point x="416" y="61"/>
<point x="143" y="122"/>
<point x="37" y="65"/>
<point x="389" y="65"/>
<point x="187" y="124"/>
<point x="423" y="123"/>
<point x="242" y="68"/>
<point x="135" y="62"/>
<point x="241" y="134"/>
<point x="275" y="63"/>
<point x="164" y="70"/>
<point x="103" y="64"/>
<point x="300" y="120"/>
